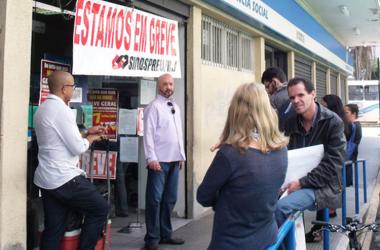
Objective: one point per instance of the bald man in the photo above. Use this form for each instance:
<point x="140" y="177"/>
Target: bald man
<point x="63" y="185"/>
<point x="165" y="156"/>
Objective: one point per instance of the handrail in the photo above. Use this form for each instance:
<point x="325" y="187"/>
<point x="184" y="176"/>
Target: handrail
<point x="357" y="200"/>
<point x="286" y="231"/>
<point x="364" y="164"/>
<point x="326" y="244"/>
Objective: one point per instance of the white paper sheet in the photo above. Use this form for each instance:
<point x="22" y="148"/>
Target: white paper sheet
<point x="129" y="149"/>
<point x="301" y="161"/>
<point x="148" y="91"/>
<point x="127" y="121"/>
<point x="77" y="95"/>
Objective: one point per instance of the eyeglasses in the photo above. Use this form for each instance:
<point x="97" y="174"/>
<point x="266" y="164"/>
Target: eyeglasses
<point x="70" y="85"/>
<point x="170" y="104"/>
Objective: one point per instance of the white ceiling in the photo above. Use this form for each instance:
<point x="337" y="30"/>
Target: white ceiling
<point x="361" y="27"/>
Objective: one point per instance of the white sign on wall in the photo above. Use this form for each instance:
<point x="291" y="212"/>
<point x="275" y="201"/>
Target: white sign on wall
<point x="111" y="39"/>
<point x="263" y="13"/>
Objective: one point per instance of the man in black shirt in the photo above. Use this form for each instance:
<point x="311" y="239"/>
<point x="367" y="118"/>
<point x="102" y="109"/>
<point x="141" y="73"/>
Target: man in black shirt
<point x="313" y="124"/>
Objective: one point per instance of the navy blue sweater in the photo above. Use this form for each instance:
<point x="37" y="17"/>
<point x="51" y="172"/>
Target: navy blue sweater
<point x="243" y="190"/>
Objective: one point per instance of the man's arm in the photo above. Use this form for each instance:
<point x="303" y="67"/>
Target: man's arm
<point x="95" y="133"/>
<point x="332" y="161"/>
<point x="358" y="135"/>
<point x="68" y="132"/>
<point x="150" y="124"/>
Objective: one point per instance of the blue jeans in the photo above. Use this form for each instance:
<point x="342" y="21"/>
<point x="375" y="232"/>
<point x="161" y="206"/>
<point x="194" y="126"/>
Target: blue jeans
<point x="80" y="195"/>
<point x="160" y="198"/>
<point x="299" y="200"/>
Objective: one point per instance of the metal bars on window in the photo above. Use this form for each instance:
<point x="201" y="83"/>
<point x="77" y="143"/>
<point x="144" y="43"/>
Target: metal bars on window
<point x="246" y="52"/>
<point x="334" y="83"/>
<point x="343" y="88"/>
<point x="225" y="46"/>
<point x="321" y="82"/>
<point x="232" y="50"/>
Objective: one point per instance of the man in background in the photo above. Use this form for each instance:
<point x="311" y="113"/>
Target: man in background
<point x="165" y="155"/>
<point x="63" y="185"/>
<point x="274" y="80"/>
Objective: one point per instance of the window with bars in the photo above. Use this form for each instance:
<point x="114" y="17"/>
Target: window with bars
<point x="246" y="52"/>
<point x="232" y="39"/>
<point x="225" y="46"/>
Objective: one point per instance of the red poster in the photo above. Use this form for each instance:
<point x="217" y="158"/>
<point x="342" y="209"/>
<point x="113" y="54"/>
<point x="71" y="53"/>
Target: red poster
<point x="99" y="167"/>
<point x="48" y="67"/>
<point x="104" y="102"/>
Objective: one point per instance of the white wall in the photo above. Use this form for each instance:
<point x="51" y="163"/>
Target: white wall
<point x="15" y="44"/>
<point x="215" y="90"/>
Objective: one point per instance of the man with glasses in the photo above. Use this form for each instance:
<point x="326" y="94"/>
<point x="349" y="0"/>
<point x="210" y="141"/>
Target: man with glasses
<point x="63" y="185"/>
<point x="275" y="83"/>
<point x="165" y="156"/>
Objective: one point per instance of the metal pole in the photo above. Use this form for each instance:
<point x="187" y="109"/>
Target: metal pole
<point x="326" y="233"/>
<point x="106" y="242"/>
<point x="91" y="162"/>
<point x="357" y="203"/>
<point x="292" y="237"/>
<point x="378" y="79"/>
<point x="365" y="181"/>
<point x="344" y="209"/>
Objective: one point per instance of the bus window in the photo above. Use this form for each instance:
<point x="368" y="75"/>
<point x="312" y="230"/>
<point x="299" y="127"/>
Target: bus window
<point x="355" y="93"/>
<point x="371" y="92"/>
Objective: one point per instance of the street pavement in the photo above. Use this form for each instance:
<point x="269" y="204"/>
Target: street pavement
<point x="197" y="233"/>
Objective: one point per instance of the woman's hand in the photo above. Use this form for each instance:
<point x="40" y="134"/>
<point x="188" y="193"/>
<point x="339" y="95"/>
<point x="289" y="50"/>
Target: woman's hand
<point x="215" y="147"/>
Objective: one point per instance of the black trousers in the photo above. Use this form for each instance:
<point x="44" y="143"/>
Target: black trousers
<point x="80" y="195"/>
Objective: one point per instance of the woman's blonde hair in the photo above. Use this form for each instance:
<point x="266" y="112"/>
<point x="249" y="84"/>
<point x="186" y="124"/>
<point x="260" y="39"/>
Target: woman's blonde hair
<point x="250" y="110"/>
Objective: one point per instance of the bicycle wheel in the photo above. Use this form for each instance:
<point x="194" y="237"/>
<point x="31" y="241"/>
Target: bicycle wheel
<point x="355" y="245"/>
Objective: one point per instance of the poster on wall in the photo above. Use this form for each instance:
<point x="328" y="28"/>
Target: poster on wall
<point x="77" y="95"/>
<point x="99" y="167"/>
<point x="147" y="91"/>
<point x="140" y="121"/>
<point x="48" y="67"/>
<point x="104" y="103"/>
<point x="87" y="115"/>
<point x="129" y="149"/>
<point x="127" y="121"/>
<point x="111" y="39"/>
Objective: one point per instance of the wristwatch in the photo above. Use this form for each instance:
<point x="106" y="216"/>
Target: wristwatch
<point x="85" y="131"/>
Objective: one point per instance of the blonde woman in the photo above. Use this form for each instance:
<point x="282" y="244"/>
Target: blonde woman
<point x="244" y="179"/>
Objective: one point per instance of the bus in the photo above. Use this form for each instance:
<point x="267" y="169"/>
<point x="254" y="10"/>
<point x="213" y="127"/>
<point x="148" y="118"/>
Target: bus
<point x="366" y="95"/>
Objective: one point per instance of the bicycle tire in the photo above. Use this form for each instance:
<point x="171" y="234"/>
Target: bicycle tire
<point x="355" y="245"/>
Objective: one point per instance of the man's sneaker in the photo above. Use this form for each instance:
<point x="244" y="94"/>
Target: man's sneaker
<point x="313" y="236"/>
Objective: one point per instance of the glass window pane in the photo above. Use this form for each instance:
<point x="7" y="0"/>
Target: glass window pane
<point x="355" y="93"/>
<point x="371" y="92"/>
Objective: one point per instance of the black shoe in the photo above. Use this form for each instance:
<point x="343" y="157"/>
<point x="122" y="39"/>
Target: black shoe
<point x="151" y="247"/>
<point x="313" y="236"/>
<point x="172" y="241"/>
<point x="121" y="214"/>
